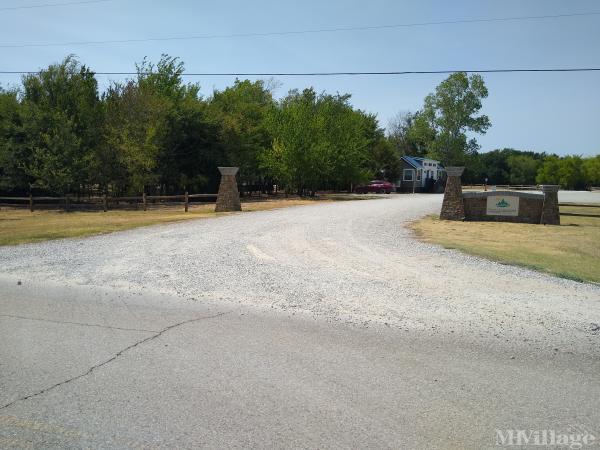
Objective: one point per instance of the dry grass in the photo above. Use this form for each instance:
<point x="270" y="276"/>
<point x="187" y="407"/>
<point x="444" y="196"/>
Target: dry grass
<point x="571" y="250"/>
<point x="19" y="226"/>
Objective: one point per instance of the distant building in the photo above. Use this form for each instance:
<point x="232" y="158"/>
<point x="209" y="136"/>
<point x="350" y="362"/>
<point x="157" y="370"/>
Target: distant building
<point x="420" y="175"/>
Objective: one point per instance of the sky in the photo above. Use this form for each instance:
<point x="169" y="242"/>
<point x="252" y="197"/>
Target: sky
<point x="551" y="112"/>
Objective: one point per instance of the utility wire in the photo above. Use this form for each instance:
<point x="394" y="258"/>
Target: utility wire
<point x="327" y="74"/>
<point x="48" y="5"/>
<point x="299" y="32"/>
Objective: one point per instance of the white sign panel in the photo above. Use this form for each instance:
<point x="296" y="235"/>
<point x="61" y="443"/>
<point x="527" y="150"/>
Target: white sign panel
<point x="501" y="205"/>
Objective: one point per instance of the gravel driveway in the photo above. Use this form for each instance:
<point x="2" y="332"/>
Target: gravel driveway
<point x="351" y="261"/>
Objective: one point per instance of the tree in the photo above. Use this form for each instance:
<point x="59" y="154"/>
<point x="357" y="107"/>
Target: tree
<point x="522" y="168"/>
<point x="134" y="121"/>
<point x="410" y="134"/>
<point x="62" y="121"/>
<point x="450" y="113"/>
<point x="241" y="112"/>
<point x="159" y="133"/>
<point x="13" y="151"/>
<point x="548" y="172"/>
<point x="385" y="161"/>
<point x="570" y="172"/>
<point x="567" y="172"/>
<point x="383" y="157"/>
<point x="319" y="141"/>
<point x="591" y="170"/>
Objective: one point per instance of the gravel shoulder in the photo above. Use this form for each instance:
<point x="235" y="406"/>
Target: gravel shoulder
<point x="352" y="262"/>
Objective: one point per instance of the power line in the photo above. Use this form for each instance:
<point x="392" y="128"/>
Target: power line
<point x="327" y="74"/>
<point x="299" y="32"/>
<point x="48" y="5"/>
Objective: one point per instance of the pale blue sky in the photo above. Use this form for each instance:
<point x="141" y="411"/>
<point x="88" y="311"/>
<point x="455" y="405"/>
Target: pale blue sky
<point x="554" y="112"/>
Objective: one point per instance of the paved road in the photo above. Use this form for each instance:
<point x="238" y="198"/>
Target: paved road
<point x="318" y="326"/>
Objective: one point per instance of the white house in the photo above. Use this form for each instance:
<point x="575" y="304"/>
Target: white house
<point x="420" y="174"/>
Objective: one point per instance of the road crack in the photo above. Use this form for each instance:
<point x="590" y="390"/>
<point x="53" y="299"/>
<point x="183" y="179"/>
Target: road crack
<point x="77" y="323"/>
<point x="111" y="359"/>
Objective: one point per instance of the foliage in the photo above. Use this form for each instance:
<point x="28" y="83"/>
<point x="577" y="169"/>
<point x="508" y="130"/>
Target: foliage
<point x="155" y="133"/>
<point x="385" y="160"/>
<point x="13" y="177"/>
<point x="591" y="170"/>
<point x="319" y="141"/>
<point x="241" y="110"/>
<point x="439" y="130"/>
<point x="61" y="115"/>
<point x="131" y="149"/>
<point x="568" y="172"/>
<point x="503" y="166"/>
<point x="522" y="169"/>
<point x="410" y="134"/>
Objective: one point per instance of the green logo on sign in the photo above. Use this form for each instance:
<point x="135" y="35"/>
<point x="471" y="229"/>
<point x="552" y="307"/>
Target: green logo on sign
<point x="502" y="204"/>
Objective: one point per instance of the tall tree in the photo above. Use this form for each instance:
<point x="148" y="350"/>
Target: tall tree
<point x="591" y="170"/>
<point x="451" y="112"/>
<point x="241" y="112"/>
<point x="134" y="123"/>
<point x="62" y="118"/>
<point x="410" y="134"/>
<point x="13" y="151"/>
<point x="161" y="131"/>
<point x="319" y="141"/>
<point x="568" y="172"/>
<point x="523" y="168"/>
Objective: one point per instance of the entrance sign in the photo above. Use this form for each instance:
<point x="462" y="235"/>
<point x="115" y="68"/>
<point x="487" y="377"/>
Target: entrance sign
<point x="498" y="205"/>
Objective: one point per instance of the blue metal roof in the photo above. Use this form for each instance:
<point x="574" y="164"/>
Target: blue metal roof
<point x="417" y="161"/>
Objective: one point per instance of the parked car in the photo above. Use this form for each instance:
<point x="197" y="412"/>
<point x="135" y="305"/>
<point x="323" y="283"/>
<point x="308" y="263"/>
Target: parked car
<point x="376" y="186"/>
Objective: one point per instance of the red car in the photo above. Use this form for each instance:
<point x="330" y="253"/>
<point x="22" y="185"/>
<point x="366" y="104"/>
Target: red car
<point x="376" y="186"/>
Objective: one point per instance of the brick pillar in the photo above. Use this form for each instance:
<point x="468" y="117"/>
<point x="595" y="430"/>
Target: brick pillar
<point x="550" y="213"/>
<point x="453" y="207"/>
<point x="228" y="198"/>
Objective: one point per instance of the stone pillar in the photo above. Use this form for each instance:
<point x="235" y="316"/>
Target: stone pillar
<point x="453" y="207"/>
<point x="228" y="198"/>
<point x="550" y="213"/>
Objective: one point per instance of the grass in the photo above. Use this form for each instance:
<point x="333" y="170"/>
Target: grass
<point x="571" y="250"/>
<point x="19" y="226"/>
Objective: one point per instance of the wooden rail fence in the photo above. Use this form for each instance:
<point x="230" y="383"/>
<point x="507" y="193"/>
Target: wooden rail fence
<point x="105" y="201"/>
<point x="516" y="187"/>
<point x="582" y="205"/>
<point x="513" y="187"/>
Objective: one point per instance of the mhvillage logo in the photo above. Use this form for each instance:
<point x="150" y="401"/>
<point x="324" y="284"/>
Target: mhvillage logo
<point x="502" y="204"/>
<point x="544" y="438"/>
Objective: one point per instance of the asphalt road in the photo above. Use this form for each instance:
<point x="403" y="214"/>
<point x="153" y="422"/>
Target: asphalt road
<point x="278" y="329"/>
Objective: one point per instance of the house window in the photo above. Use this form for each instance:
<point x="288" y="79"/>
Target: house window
<point x="419" y="175"/>
<point x="408" y="175"/>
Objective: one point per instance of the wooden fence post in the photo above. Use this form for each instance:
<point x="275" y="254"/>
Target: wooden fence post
<point x="145" y="202"/>
<point x="31" y="202"/>
<point x="187" y="201"/>
<point x="67" y="205"/>
<point x="105" y="202"/>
